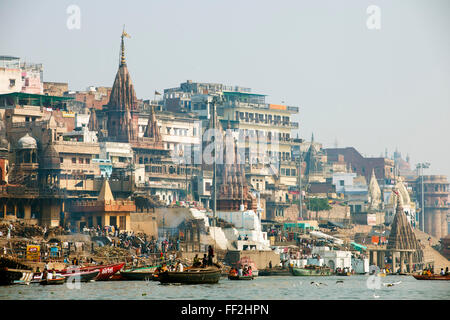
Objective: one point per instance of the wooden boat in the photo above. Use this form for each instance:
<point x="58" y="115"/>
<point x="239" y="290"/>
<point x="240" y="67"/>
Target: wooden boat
<point x="9" y="276"/>
<point x="55" y="281"/>
<point x="206" y="275"/>
<point x="311" y="271"/>
<point x="83" y="276"/>
<point x="344" y="274"/>
<point x="26" y="278"/>
<point x="431" y="277"/>
<point x="106" y="271"/>
<point x="143" y="273"/>
<point x="274" y="272"/>
<point x="230" y="277"/>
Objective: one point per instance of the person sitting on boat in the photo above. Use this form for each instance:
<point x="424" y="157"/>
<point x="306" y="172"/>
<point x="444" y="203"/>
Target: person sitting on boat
<point x="428" y="272"/>
<point x="245" y="272"/>
<point x="205" y="261"/>
<point x="197" y="262"/>
<point x="249" y="270"/>
<point x="180" y="267"/>
<point x="442" y="272"/>
<point x="240" y="271"/>
<point x="446" y="271"/>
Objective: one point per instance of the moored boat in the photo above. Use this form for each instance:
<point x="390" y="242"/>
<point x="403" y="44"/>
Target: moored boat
<point x="230" y="277"/>
<point x="144" y="273"/>
<point x="55" y="281"/>
<point x="208" y="275"/>
<point x="9" y="276"/>
<point x="311" y="271"/>
<point x="82" y="276"/>
<point x="274" y="272"/>
<point x="431" y="277"/>
<point x="344" y="274"/>
<point x="106" y="271"/>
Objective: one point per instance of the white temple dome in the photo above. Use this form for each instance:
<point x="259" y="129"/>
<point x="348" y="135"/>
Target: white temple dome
<point x="27" y="142"/>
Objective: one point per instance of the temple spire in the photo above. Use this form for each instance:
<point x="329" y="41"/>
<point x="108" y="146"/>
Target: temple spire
<point x="122" y="47"/>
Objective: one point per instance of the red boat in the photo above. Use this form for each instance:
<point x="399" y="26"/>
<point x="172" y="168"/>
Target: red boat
<point x="105" y="273"/>
<point x="431" y="277"/>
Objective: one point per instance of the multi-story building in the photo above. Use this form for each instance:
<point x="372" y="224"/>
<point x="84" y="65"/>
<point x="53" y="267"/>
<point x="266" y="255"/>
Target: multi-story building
<point x="436" y="192"/>
<point x="17" y="76"/>
<point x="383" y="167"/>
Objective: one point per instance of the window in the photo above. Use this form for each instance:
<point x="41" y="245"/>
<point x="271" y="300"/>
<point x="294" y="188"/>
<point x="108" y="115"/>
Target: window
<point x="74" y="160"/>
<point x="80" y="160"/>
<point x="12" y="82"/>
<point x="88" y="161"/>
<point x="341" y="182"/>
<point x="122" y="223"/>
<point x="61" y="160"/>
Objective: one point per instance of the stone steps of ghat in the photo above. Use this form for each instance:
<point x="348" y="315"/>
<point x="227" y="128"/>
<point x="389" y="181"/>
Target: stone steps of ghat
<point x="430" y="254"/>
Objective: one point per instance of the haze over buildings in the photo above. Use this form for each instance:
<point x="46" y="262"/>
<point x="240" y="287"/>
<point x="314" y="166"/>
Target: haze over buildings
<point x="390" y="86"/>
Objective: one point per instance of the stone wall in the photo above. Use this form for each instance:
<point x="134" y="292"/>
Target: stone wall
<point x="260" y="258"/>
<point x="337" y="213"/>
<point x="144" y="222"/>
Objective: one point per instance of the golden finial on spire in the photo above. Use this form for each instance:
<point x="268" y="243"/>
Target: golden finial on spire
<point x="124" y="34"/>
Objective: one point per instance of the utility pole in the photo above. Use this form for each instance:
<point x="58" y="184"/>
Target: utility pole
<point x="300" y="205"/>
<point x="214" y="171"/>
<point x="419" y="166"/>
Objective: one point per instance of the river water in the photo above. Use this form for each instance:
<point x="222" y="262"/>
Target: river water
<point x="357" y="287"/>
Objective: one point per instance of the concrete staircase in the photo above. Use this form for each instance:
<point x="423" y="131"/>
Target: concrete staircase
<point x="430" y="254"/>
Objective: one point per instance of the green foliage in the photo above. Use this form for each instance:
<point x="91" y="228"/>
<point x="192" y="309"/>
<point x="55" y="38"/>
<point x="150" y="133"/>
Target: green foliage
<point x="317" y="204"/>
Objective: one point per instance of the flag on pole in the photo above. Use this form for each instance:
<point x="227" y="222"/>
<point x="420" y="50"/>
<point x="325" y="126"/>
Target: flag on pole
<point x="157" y="93"/>
<point x="126" y="34"/>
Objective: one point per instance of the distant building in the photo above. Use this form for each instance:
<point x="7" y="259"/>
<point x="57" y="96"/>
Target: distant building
<point x="436" y="198"/>
<point x="17" y="76"/>
<point x="383" y="167"/>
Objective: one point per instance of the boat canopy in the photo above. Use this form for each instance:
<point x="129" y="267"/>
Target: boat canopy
<point x="318" y="234"/>
<point x="358" y="247"/>
<point x="301" y="225"/>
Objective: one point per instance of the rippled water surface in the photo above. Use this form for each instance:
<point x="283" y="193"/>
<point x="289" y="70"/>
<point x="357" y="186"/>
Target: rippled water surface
<point x="275" y="288"/>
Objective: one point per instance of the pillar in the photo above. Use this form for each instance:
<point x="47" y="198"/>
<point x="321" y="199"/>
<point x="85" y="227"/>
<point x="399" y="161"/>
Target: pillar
<point x="379" y="258"/>
<point x="402" y="261"/>
<point x="410" y="262"/>
<point x="27" y="211"/>
<point x="436" y="226"/>
<point x="444" y="223"/>
<point x="393" y="261"/>
<point x="375" y="258"/>
<point x="427" y="219"/>
<point x="371" y="257"/>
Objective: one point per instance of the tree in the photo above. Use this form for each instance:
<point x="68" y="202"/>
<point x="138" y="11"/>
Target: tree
<point x="317" y="204"/>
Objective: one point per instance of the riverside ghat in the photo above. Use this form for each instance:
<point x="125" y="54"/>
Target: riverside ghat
<point x="316" y="254"/>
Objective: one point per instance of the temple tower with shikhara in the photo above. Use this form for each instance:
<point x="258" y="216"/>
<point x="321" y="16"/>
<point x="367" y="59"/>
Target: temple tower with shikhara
<point x="402" y="241"/>
<point x="123" y="110"/>
<point x="233" y="190"/>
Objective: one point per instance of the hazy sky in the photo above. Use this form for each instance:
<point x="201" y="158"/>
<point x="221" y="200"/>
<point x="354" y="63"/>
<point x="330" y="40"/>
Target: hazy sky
<point x="371" y="89"/>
